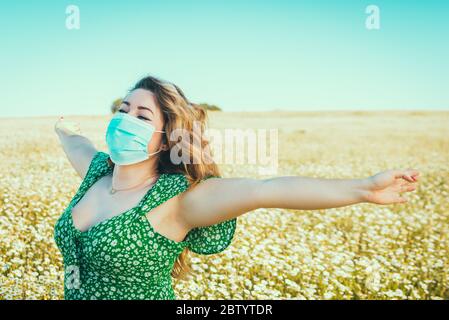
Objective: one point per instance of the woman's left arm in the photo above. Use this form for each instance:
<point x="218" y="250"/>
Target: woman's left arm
<point x="218" y="199"/>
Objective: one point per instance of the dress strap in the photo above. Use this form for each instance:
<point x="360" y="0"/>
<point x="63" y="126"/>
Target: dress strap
<point x="98" y="167"/>
<point x="201" y="240"/>
<point x="167" y="186"/>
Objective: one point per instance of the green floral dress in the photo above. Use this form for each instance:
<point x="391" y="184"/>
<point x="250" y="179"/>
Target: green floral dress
<point x="123" y="257"/>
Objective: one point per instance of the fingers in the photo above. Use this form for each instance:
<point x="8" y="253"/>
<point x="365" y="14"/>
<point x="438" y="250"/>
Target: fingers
<point x="410" y="175"/>
<point x="407" y="177"/>
<point x="68" y="127"/>
<point x="402" y="199"/>
<point x="61" y="118"/>
<point x="405" y="188"/>
<point x="408" y="188"/>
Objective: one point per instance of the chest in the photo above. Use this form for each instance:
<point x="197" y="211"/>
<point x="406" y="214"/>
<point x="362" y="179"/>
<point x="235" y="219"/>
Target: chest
<point x="97" y="204"/>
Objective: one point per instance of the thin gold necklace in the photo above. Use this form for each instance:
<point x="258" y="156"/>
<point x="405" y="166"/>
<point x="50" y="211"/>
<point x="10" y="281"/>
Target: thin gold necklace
<point x="114" y="190"/>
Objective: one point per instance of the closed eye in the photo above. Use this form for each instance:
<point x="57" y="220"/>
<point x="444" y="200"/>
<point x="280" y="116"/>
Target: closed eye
<point x="140" y="117"/>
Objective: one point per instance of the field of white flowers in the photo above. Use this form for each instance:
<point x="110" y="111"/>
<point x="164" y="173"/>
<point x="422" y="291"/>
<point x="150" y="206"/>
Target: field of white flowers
<point x="362" y="251"/>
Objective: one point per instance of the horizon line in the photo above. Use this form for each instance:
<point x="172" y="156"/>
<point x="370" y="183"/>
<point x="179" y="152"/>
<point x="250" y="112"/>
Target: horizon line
<point x="443" y="110"/>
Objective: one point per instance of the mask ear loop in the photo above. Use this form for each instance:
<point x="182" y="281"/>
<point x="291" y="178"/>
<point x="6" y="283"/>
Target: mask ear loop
<point x="153" y="153"/>
<point x="150" y="154"/>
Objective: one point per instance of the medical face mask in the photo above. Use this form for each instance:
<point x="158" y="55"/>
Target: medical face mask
<point x="127" y="138"/>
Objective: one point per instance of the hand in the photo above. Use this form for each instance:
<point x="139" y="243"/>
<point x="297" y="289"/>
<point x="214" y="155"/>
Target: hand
<point x="68" y="127"/>
<point x="385" y="187"/>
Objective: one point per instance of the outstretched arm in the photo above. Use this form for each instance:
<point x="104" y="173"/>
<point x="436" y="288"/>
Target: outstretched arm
<point x="79" y="149"/>
<point x="218" y="199"/>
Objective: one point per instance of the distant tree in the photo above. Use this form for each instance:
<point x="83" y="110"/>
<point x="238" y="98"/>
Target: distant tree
<point x="116" y="104"/>
<point x="209" y="107"/>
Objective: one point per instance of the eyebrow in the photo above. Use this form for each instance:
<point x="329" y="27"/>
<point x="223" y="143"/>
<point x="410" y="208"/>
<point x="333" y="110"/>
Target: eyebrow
<point x="139" y="107"/>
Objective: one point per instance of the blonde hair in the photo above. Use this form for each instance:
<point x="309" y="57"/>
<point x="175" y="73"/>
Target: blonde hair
<point x="179" y="113"/>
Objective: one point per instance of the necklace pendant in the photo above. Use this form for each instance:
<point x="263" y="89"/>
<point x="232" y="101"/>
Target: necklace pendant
<point x="112" y="191"/>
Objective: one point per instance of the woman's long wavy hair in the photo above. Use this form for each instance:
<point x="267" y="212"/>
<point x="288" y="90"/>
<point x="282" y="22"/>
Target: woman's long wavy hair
<point x="197" y="162"/>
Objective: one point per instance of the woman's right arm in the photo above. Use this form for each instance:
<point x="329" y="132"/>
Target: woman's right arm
<point x="79" y="149"/>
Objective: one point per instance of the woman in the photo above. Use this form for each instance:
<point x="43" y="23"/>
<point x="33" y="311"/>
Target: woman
<point x="139" y="210"/>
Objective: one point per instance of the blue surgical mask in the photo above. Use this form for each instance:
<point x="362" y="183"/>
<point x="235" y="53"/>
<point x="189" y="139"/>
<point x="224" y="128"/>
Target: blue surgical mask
<point x="127" y="138"/>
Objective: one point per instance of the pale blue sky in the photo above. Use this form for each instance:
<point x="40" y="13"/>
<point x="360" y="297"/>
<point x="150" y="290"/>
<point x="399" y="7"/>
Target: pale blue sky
<point x="240" y="55"/>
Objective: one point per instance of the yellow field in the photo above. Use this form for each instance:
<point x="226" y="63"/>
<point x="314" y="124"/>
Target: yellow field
<point x="358" y="252"/>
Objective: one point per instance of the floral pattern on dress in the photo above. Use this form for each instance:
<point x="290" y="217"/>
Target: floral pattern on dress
<point x="124" y="257"/>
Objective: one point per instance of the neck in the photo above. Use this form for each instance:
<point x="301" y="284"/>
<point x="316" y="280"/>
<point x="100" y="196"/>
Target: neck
<point x="133" y="174"/>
